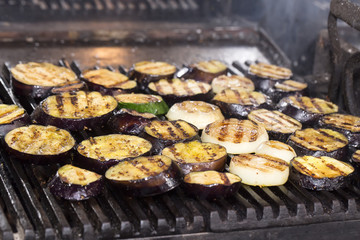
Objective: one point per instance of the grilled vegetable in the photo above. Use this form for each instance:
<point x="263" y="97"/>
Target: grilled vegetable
<point x="319" y="142"/>
<point x="278" y="125"/>
<point x="195" y="112"/>
<point x="99" y="153"/>
<point x="145" y="176"/>
<point x="177" y="90"/>
<point x="195" y="156"/>
<point x="237" y="136"/>
<point x="206" y="71"/>
<point x="143" y="103"/>
<point x="148" y="71"/>
<point x="306" y="110"/>
<point x="39" y="144"/>
<point x="107" y="82"/>
<point x="38" y="79"/>
<point x="129" y="121"/>
<point x="234" y="82"/>
<point x="235" y="103"/>
<point x="11" y="116"/>
<point x="276" y="149"/>
<point x="260" y="170"/>
<point x="320" y="173"/>
<point x="75" y="111"/>
<point x="73" y="183"/>
<point x="355" y="158"/>
<point x="287" y="88"/>
<point x="346" y="124"/>
<point x="211" y="184"/>
<point x="165" y="133"/>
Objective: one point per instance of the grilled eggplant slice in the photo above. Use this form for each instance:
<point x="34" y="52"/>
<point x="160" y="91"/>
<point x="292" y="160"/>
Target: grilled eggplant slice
<point x="108" y="82"/>
<point x="276" y="149"/>
<point x="40" y="144"/>
<point x="129" y="121"/>
<point x="165" y="133"/>
<point x="278" y="125"/>
<point x="355" y="158"/>
<point x="73" y="183"/>
<point x="235" y="103"/>
<point x="306" y="110"/>
<point x="237" y="136"/>
<point x="320" y="173"/>
<point x="211" y="184"/>
<point x="75" y="111"/>
<point x="11" y="117"/>
<point x="149" y="71"/>
<point x="195" y="156"/>
<point x="206" y="71"/>
<point x="346" y="124"/>
<point x="260" y="170"/>
<point x="177" y="90"/>
<point x="38" y="79"/>
<point x="234" y="82"/>
<point x="287" y="88"/>
<point x="143" y="103"/>
<point x="145" y="176"/>
<point x="319" y="142"/>
<point x="99" y="153"/>
<point x="198" y="113"/>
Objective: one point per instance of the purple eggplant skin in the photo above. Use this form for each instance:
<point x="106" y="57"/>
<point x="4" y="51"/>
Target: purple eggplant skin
<point x="22" y="121"/>
<point x="240" y="111"/>
<point x="108" y="91"/>
<point x="75" y="192"/>
<point x="276" y="95"/>
<point x="339" y="154"/>
<point x="319" y="184"/>
<point x="199" y="75"/>
<point x="39" y="116"/>
<point x="143" y="79"/>
<point x="282" y="137"/>
<point x="217" y="165"/>
<point x="211" y="191"/>
<point x="94" y="165"/>
<point x="153" y="185"/>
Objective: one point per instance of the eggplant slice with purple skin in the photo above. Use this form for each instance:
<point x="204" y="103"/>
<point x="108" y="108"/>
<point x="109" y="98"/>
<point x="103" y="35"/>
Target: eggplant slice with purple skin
<point x="195" y="156"/>
<point x="235" y="103"/>
<point x="75" y="111"/>
<point x="145" y="176"/>
<point x="319" y="142"/>
<point x="150" y="71"/>
<point x="39" y="80"/>
<point x="206" y="71"/>
<point x="234" y="82"/>
<point x="278" y="125"/>
<point x="40" y="144"/>
<point x="162" y="134"/>
<point x="286" y="88"/>
<point x="76" y="184"/>
<point x="320" y="173"/>
<point x="99" y="153"/>
<point x="211" y="184"/>
<point x="11" y="117"/>
<point x="176" y="90"/>
<point x="306" y="110"/>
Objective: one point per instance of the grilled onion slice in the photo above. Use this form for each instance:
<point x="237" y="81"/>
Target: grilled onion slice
<point x="319" y="142"/>
<point x="306" y="110"/>
<point x="206" y="71"/>
<point x="278" y="125"/>
<point x="73" y="183"/>
<point x="75" y="111"/>
<point x="177" y="90"/>
<point x="145" y="176"/>
<point x="235" y="103"/>
<point x="38" y="79"/>
<point x="320" y="173"/>
<point x="99" y="153"/>
<point x="165" y="133"/>
<point x="149" y="71"/>
<point x="39" y="144"/>
<point x="276" y="149"/>
<point x="11" y="116"/>
<point x="211" y="184"/>
<point x="198" y="113"/>
<point x="195" y="156"/>
<point x="260" y="170"/>
<point x="346" y="124"/>
<point x="237" y="136"/>
<point x="234" y="82"/>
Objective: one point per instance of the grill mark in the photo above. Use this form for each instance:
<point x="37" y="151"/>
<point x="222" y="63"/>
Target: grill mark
<point x="188" y="90"/>
<point x="301" y="103"/>
<point x="176" y="154"/>
<point x="202" y="88"/>
<point x="316" y="105"/>
<point x="174" y="89"/>
<point x="288" y="119"/>
<point x="332" y="137"/>
<point x="329" y="105"/>
<point x="224" y="179"/>
<point x="252" y="99"/>
<point x="223" y="132"/>
<point x="238" y="97"/>
<point x="59" y="104"/>
<point x="335" y="169"/>
<point x="303" y="169"/>
<point x="239" y="133"/>
<point x="158" y="87"/>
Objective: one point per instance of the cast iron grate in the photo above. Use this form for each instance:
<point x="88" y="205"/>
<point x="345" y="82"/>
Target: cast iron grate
<point x="31" y="211"/>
